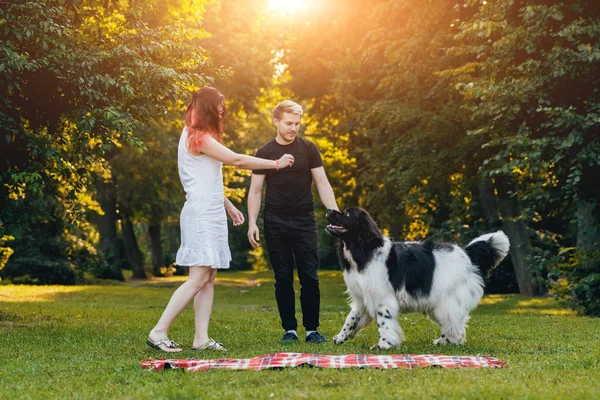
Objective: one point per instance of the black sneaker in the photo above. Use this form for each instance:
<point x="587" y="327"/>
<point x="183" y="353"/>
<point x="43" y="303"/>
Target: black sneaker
<point x="289" y="337"/>
<point x="316" y="337"/>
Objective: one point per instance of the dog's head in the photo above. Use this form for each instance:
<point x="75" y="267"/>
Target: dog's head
<point x="352" y="225"/>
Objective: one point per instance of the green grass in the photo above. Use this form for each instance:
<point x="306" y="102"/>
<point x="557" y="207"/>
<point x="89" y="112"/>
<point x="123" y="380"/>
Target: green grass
<point x="87" y="342"/>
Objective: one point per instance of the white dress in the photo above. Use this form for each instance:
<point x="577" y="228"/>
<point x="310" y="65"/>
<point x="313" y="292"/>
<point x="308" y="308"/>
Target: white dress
<point x="203" y="220"/>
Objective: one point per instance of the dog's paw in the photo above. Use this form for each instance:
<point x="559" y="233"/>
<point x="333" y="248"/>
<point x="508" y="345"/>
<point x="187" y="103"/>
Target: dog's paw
<point x="441" y="340"/>
<point x="339" y="339"/>
<point x="382" y="345"/>
<point x="447" y="341"/>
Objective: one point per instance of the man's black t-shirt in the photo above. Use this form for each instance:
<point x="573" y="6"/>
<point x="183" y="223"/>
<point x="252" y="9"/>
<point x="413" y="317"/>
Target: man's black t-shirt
<point x="289" y="189"/>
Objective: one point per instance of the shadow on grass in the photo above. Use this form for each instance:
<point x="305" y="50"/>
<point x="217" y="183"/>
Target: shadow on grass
<point x="515" y="304"/>
<point x="230" y="278"/>
<point x="224" y="278"/>
<point x="332" y="295"/>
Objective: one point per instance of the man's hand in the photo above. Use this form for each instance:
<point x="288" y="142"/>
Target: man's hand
<point x="236" y="215"/>
<point x="254" y="236"/>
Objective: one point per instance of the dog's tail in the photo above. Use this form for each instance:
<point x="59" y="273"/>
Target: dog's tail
<point x="487" y="251"/>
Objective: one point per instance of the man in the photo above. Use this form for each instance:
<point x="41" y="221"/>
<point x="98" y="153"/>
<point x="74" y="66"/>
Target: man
<point x="289" y="224"/>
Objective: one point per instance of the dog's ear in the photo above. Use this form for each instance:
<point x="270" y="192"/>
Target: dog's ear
<point x="364" y="220"/>
<point x="368" y="227"/>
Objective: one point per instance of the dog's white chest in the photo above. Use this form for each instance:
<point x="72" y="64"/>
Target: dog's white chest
<point x="371" y="285"/>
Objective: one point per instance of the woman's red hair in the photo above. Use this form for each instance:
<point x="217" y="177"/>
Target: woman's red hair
<point x="202" y="117"/>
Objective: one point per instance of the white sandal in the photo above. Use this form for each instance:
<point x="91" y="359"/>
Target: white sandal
<point x="211" y="345"/>
<point x="169" y="345"/>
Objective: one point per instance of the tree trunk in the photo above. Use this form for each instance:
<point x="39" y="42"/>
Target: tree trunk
<point x="489" y="203"/>
<point x="156" y="245"/>
<point x="107" y="228"/>
<point x="174" y="238"/>
<point x="132" y="250"/>
<point x="515" y="229"/>
<point x="134" y="255"/>
<point x="588" y="234"/>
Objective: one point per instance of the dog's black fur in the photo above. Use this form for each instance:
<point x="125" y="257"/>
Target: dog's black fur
<point x="410" y="264"/>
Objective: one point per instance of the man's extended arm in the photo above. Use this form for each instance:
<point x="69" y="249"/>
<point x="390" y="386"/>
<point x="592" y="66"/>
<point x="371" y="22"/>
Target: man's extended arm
<point x="324" y="188"/>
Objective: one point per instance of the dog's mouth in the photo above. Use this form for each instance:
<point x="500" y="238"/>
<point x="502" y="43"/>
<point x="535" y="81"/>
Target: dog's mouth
<point x="332" y="228"/>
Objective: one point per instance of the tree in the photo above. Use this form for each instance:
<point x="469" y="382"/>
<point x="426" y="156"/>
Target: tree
<point x="77" y="78"/>
<point x="148" y="188"/>
<point x="529" y="85"/>
<point x="401" y="122"/>
<point x="520" y="135"/>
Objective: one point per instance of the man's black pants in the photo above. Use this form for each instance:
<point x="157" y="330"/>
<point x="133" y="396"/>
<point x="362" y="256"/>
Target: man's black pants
<point x="290" y="238"/>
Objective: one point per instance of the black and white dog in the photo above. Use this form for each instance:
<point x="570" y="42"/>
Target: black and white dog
<point x="385" y="278"/>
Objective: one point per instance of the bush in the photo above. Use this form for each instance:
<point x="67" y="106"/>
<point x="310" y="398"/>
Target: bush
<point x="575" y="280"/>
<point x="36" y="268"/>
<point x="84" y="256"/>
<point x="5" y="252"/>
<point x="45" y="259"/>
<point x="502" y="279"/>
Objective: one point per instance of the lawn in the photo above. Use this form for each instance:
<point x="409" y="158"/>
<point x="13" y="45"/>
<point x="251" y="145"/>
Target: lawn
<point x="87" y="342"/>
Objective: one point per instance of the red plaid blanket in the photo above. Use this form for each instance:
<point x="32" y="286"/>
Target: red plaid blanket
<point x="282" y="360"/>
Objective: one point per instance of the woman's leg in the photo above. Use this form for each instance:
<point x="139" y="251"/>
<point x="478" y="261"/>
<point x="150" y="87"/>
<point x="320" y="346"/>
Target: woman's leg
<point x="203" y="302"/>
<point x="198" y="278"/>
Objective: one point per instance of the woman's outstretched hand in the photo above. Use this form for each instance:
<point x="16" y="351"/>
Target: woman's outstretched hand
<point x="287" y="160"/>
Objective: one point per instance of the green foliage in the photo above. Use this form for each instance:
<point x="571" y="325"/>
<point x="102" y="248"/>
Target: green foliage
<point x="40" y="263"/>
<point x="242" y="38"/>
<point x="575" y="280"/>
<point x="77" y="80"/>
<point x="396" y="124"/>
<point x="36" y="268"/>
<point x="409" y="102"/>
<point x="532" y="88"/>
<point x="400" y="120"/>
<point x="48" y="250"/>
<point x="5" y="252"/>
<point x="530" y="84"/>
<point x="147" y="181"/>
<point x="82" y="77"/>
<point x="429" y="93"/>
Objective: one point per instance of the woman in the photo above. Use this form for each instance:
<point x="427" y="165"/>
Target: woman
<point x="204" y="247"/>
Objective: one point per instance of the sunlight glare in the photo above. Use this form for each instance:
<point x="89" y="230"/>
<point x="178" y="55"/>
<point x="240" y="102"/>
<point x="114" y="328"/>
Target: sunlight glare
<point x="285" y="6"/>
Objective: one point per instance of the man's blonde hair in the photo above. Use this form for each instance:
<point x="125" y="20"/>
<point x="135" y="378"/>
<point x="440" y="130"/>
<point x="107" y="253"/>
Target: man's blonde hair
<point x="287" y="106"/>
